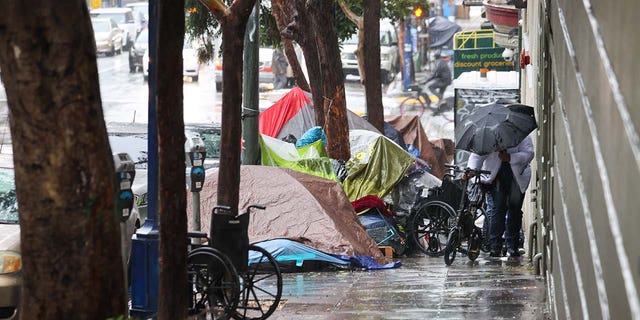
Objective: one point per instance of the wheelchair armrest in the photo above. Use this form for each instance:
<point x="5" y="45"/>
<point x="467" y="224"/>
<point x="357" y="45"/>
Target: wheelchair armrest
<point x="197" y="234"/>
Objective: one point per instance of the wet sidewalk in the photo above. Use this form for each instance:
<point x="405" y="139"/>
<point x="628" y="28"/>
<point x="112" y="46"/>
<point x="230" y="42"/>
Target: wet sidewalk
<point x="423" y="288"/>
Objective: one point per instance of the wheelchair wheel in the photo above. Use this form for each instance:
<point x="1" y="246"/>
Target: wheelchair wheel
<point x="261" y="286"/>
<point x="452" y="246"/>
<point x="214" y="284"/>
<point x="429" y="227"/>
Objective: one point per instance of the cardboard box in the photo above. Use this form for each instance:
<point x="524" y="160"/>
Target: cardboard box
<point x="462" y="12"/>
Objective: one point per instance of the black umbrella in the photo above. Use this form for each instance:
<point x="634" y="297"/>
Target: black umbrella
<point x="495" y="127"/>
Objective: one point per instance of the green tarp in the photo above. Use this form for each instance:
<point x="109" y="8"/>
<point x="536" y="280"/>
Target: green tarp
<point x="311" y="159"/>
<point x="376" y="165"/>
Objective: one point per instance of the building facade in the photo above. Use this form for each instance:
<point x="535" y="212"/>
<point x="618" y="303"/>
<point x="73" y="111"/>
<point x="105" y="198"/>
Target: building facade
<point x="582" y="80"/>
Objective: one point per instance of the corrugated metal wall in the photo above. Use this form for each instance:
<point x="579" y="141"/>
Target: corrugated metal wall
<point x="587" y="95"/>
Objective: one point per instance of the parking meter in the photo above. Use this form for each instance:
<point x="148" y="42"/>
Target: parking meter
<point x="197" y="152"/>
<point x="125" y="173"/>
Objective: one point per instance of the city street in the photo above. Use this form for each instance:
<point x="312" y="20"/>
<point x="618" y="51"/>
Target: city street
<point x="125" y="98"/>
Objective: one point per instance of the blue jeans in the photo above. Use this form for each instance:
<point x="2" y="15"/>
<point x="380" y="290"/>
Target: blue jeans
<point x="504" y="208"/>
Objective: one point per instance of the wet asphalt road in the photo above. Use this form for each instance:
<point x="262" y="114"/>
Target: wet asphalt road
<point x="423" y="288"/>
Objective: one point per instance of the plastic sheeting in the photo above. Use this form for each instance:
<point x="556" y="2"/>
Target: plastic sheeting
<point x="409" y="188"/>
<point x="311" y="159"/>
<point x="284" y="250"/>
<point x="300" y="207"/>
<point x="413" y="133"/>
<point x="376" y="165"/>
<point x="441" y="32"/>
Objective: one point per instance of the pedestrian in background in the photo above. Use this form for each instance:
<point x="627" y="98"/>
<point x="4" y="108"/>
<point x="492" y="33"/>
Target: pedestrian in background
<point x="507" y="184"/>
<point x="279" y="68"/>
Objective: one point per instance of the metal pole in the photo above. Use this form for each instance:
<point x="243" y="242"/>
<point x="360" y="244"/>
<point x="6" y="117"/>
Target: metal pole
<point x="250" y="109"/>
<point x="408" y="54"/>
<point x="145" y="243"/>
<point x="195" y="220"/>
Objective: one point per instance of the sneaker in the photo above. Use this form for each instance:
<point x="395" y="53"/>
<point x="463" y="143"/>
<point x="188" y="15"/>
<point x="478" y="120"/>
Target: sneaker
<point x="495" y="253"/>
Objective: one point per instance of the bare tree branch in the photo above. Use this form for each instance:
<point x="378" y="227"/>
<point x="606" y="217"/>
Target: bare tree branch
<point x="218" y="8"/>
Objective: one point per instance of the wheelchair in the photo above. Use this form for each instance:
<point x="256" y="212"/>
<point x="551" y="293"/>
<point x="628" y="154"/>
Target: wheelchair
<point x="227" y="283"/>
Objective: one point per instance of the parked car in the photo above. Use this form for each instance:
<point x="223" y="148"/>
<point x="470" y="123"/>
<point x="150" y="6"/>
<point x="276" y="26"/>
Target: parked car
<point x="10" y="254"/>
<point x="389" y="54"/>
<point x="136" y="53"/>
<point x="190" y="62"/>
<point x="140" y="12"/>
<point x="10" y="258"/>
<point x="124" y="18"/>
<point x="109" y="38"/>
<point x="265" y="75"/>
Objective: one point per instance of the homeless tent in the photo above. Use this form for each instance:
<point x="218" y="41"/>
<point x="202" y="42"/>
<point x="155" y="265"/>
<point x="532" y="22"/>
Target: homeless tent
<point x="293" y="114"/>
<point x="304" y="208"/>
<point x="413" y="133"/>
<point x="376" y="165"/>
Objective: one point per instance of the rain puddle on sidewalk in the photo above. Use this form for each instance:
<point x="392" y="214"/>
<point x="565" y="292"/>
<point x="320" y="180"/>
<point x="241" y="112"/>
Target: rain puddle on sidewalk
<point x="423" y="288"/>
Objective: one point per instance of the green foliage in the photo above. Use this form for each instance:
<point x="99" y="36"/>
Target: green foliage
<point x="397" y="9"/>
<point x="201" y="25"/>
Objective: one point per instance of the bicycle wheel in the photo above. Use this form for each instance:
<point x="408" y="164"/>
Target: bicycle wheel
<point x="429" y="227"/>
<point x="412" y="103"/>
<point x="452" y="246"/>
<point x="214" y="284"/>
<point x="473" y="244"/>
<point x="261" y="286"/>
<point x="431" y="101"/>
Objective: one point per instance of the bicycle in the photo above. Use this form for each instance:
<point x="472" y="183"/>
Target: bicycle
<point x="464" y="226"/>
<point x="221" y="288"/>
<point x="421" y="98"/>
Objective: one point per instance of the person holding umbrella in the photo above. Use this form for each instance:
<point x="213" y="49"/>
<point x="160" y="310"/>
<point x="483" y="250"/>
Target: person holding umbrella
<point x="509" y="179"/>
<point x="498" y="138"/>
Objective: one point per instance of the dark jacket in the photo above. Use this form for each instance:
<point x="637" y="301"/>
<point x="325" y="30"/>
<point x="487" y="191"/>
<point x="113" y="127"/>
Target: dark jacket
<point x="442" y="72"/>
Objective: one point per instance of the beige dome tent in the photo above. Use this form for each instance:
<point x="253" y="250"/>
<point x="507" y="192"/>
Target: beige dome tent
<point x="307" y="209"/>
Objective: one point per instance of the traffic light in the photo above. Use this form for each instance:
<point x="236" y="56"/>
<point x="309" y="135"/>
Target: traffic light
<point x="418" y="12"/>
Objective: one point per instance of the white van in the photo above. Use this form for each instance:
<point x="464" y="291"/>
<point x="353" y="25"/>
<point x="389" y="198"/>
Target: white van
<point x="124" y="18"/>
<point x="389" y="53"/>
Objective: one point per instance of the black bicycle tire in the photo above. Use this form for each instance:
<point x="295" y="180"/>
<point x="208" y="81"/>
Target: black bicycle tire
<point x="452" y="247"/>
<point x="417" y="234"/>
<point x="248" y="292"/>
<point x="471" y="254"/>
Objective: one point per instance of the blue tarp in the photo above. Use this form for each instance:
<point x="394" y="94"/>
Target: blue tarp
<point x="285" y="250"/>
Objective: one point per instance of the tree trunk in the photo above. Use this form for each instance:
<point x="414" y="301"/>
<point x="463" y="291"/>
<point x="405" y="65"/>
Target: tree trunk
<point x="233" y="21"/>
<point x="316" y="78"/>
<point x="336" y="126"/>
<point x="371" y="48"/>
<point x="298" y="27"/>
<point x="290" y="52"/>
<point x="282" y="19"/>
<point x="65" y="179"/>
<point x="172" y="194"/>
<point x="229" y="172"/>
